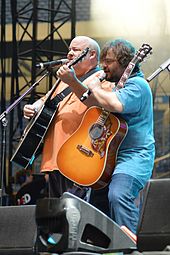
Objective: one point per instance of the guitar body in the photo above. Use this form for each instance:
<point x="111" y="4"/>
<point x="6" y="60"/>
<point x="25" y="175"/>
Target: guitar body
<point x="79" y="161"/>
<point x="33" y="136"/>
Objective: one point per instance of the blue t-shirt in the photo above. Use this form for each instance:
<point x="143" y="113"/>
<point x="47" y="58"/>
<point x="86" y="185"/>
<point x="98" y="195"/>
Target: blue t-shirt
<point x="137" y="151"/>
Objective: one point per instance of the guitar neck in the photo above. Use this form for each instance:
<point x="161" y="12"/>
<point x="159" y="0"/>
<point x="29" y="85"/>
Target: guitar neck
<point x="73" y="62"/>
<point x="125" y="75"/>
<point x="50" y="93"/>
<point x="139" y="56"/>
<point x="103" y="117"/>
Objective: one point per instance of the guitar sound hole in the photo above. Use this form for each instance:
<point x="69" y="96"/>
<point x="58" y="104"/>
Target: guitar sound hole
<point x="96" y="131"/>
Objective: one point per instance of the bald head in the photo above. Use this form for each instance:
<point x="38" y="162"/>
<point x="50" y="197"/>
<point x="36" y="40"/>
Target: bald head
<point x="88" y="42"/>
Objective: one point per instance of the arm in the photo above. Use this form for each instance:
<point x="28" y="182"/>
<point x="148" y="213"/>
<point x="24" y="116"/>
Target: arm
<point x="68" y="76"/>
<point x="30" y="110"/>
<point x="98" y="97"/>
<point x="105" y="99"/>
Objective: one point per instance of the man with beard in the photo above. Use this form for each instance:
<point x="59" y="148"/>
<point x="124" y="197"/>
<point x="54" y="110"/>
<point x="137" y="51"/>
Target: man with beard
<point x="133" y="103"/>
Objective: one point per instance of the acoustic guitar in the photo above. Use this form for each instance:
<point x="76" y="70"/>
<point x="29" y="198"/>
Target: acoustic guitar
<point x="88" y="157"/>
<point x="35" y="131"/>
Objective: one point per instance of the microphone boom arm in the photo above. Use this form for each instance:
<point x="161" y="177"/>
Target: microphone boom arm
<point x="162" y="67"/>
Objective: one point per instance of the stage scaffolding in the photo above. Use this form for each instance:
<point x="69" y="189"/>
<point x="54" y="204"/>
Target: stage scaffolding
<point x="38" y="33"/>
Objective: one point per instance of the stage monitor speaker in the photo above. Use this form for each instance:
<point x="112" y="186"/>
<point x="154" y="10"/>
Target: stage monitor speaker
<point x="18" y="230"/>
<point x="154" y="225"/>
<point x="74" y="225"/>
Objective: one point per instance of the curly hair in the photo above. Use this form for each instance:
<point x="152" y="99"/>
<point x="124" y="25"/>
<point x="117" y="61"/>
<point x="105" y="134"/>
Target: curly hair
<point x="123" y="50"/>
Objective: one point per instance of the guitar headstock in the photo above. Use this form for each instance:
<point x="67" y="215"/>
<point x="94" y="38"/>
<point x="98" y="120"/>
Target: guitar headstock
<point x="140" y="55"/>
<point x="143" y="52"/>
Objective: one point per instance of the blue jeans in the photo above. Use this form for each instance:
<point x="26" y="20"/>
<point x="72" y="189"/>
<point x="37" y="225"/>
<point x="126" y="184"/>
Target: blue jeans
<point x="124" y="200"/>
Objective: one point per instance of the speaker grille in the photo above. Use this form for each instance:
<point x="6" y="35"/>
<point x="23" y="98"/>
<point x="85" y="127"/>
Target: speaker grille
<point x="154" y="225"/>
<point x="17" y="227"/>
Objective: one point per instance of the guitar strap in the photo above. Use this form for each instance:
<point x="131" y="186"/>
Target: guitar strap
<point x="94" y="70"/>
<point x="59" y="97"/>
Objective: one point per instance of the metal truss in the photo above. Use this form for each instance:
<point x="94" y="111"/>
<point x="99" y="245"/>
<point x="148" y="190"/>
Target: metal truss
<point x="37" y="36"/>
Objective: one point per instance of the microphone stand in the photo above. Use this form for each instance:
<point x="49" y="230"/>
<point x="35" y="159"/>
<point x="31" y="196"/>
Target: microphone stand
<point x="165" y="65"/>
<point x="4" y="121"/>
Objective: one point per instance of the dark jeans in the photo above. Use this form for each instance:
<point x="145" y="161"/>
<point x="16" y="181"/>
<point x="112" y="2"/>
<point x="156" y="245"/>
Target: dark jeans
<point x="99" y="199"/>
<point x="58" y="184"/>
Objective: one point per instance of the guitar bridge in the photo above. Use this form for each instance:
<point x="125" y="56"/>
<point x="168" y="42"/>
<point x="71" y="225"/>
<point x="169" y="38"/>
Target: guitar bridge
<point x="85" y="150"/>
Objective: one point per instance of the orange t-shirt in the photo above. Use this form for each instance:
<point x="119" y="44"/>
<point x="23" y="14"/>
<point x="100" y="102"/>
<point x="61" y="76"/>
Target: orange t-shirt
<point x="66" y="121"/>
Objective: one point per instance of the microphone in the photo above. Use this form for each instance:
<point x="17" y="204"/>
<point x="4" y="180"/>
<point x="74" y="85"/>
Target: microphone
<point x="87" y="93"/>
<point x="160" y="69"/>
<point x="52" y="63"/>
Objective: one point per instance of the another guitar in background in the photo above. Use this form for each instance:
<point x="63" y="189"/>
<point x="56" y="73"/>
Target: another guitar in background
<point x="36" y="129"/>
<point x="88" y="157"/>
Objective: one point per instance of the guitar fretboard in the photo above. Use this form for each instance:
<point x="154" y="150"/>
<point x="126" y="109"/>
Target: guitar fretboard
<point x="103" y="117"/>
<point x="125" y="75"/>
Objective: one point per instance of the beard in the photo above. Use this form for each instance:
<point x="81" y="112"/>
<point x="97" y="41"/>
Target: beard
<point x="112" y="77"/>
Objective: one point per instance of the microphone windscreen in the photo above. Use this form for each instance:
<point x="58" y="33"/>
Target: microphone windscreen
<point x="102" y="76"/>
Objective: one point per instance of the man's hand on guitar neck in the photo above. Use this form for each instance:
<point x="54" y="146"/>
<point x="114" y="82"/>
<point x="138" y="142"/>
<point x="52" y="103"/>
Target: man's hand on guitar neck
<point x="31" y="109"/>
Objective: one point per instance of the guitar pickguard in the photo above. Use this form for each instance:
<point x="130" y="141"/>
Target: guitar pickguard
<point x="99" y="135"/>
